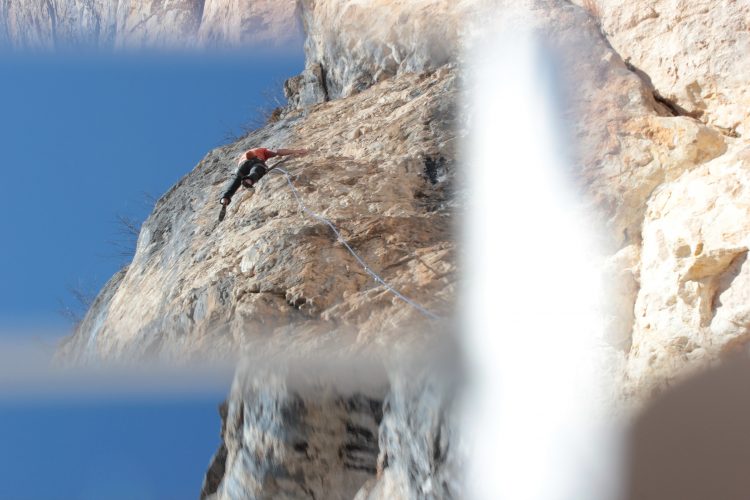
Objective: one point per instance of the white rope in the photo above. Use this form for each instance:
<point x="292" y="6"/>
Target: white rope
<point x="341" y="239"/>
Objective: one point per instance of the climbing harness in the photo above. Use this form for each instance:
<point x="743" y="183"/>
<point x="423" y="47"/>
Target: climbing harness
<point x="424" y="311"/>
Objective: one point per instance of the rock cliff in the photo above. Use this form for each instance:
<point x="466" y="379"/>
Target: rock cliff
<point x="659" y="120"/>
<point x="66" y="24"/>
<point x="682" y="275"/>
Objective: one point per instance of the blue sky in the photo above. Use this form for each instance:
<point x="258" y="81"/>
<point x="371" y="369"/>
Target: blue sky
<point x="93" y="448"/>
<point x="82" y="140"/>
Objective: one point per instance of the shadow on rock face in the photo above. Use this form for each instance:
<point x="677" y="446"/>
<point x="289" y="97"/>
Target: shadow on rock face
<point x="693" y="443"/>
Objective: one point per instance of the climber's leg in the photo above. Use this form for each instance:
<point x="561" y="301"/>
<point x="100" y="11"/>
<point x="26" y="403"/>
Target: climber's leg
<point x="254" y="176"/>
<point x="242" y="172"/>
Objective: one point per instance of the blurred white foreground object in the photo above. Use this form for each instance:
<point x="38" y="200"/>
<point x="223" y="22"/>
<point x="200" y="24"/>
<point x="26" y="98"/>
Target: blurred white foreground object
<point x="532" y="298"/>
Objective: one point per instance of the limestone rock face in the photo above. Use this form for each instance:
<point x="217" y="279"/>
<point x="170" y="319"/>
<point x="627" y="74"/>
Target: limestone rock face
<point x="360" y="43"/>
<point x="308" y="88"/>
<point x="684" y="162"/>
<point x="147" y="23"/>
<point x="291" y="435"/>
<point x="421" y="453"/>
<point x="692" y="305"/>
<point x="696" y="53"/>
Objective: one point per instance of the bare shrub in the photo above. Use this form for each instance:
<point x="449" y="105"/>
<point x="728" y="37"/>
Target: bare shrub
<point x="273" y="101"/>
<point x="127" y="231"/>
<point x="127" y="236"/>
<point x="74" y="309"/>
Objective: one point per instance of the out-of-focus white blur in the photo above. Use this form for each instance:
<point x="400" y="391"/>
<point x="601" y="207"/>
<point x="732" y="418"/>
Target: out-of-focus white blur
<point x="532" y="298"/>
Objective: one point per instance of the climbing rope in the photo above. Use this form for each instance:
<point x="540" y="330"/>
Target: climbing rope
<point x="373" y="274"/>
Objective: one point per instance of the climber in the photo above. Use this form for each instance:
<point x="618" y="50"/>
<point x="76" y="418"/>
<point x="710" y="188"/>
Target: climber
<point x="252" y="166"/>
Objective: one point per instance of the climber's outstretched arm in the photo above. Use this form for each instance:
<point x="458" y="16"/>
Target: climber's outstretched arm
<point x="286" y="152"/>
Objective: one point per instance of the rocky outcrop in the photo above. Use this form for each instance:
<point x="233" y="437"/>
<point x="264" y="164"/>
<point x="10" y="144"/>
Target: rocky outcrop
<point x="64" y="24"/>
<point x="290" y="434"/>
<point x="696" y="54"/>
<point x="686" y="250"/>
<point x="359" y="44"/>
<point x="421" y="448"/>
<point x="692" y="304"/>
<point x="341" y="428"/>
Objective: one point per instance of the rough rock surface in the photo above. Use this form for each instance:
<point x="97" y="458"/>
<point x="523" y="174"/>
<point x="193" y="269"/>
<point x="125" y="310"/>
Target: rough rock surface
<point x="677" y="279"/>
<point x="693" y="306"/>
<point x="696" y="53"/>
<point x="341" y="429"/>
<point x="361" y="43"/>
<point x="380" y="104"/>
<point x="291" y="434"/>
<point x="421" y="450"/>
<point x="176" y="24"/>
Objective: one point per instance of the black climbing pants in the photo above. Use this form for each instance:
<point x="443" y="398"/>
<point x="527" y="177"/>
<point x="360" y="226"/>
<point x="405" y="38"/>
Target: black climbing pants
<point x="249" y="169"/>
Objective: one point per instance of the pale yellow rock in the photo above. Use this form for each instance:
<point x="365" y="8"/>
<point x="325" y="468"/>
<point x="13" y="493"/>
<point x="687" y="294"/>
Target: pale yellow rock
<point x="689" y="283"/>
<point x="692" y="304"/>
<point x="389" y="485"/>
<point x="696" y="52"/>
<point x="622" y="277"/>
<point x="639" y="154"/>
